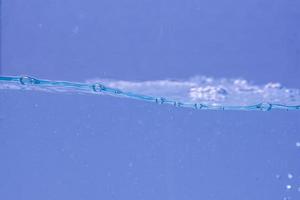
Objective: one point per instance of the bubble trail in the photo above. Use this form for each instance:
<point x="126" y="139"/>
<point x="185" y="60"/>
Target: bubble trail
<point x="200" y="93"/>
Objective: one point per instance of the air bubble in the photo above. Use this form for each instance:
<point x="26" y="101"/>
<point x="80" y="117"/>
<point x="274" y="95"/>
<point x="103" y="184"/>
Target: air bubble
<point x="26" y="80"/>
<point x="277" y="176"/>
<point x="264" y="106"/>
<point x="116" y="91"/>
<point x="178" y="104"/>
<point x="288" y="187"/>
<point x="199" y="106"/>
<point x="160" y="100"/>
<point x="97" y="87"/>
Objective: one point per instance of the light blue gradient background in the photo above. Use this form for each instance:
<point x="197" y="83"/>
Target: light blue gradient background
<point x="56" y="146"/>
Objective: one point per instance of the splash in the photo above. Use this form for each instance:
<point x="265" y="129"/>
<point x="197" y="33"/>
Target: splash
<point x="201" y="93"/>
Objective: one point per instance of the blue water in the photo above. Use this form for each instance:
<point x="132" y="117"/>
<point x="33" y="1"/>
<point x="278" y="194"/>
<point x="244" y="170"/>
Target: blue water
<point x="64" y="134"/>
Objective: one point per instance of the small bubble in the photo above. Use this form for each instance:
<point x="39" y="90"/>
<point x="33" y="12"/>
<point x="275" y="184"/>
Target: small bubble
<point x="288" y="187"/>
<point x="297" y="144"/>
<point x="178" y="104"/>
<point x="75" y="30"/>
<point x="160" y="100"/>
<point x="264" y="106"/>
<point x="26" y="80"/>
<point x="273" y="86"/>
<point x="130" y="164"/>
<point x="277" y="176"/>
<point x="290" y="176"/>
<point x="97" y="87"/>
<point x="116" y="91"/>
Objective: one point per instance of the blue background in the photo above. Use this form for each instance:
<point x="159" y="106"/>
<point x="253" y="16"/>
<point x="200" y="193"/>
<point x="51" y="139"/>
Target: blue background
<point x="61" y="146"/>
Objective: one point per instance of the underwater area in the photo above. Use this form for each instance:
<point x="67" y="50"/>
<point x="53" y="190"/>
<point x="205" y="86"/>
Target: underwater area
<point x="140" y="99"/>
